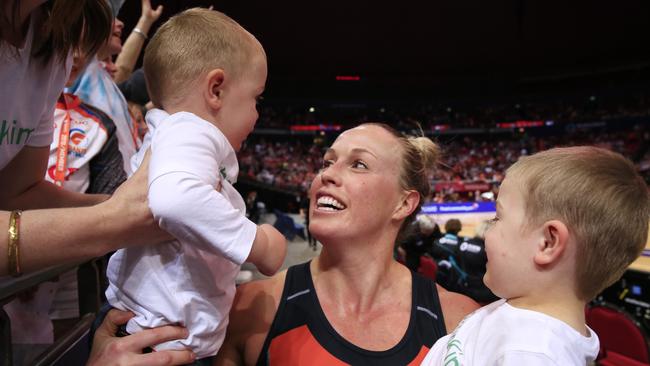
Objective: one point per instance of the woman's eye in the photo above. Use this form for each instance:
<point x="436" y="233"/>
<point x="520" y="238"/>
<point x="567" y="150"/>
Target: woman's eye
<point x="359" y="165"/>
<point x="327" y="163"/>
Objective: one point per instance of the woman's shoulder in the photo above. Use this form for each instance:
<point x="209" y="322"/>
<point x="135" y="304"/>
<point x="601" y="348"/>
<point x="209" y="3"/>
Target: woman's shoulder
<point x="454" y="307"/>
<point x="250" y="293"/>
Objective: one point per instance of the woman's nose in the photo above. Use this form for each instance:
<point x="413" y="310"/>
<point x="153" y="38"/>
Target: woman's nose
<point x="329" y="175"/>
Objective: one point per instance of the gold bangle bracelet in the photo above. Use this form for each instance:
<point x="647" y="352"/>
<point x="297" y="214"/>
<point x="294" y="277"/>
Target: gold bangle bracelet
<point x="13" y="250"/>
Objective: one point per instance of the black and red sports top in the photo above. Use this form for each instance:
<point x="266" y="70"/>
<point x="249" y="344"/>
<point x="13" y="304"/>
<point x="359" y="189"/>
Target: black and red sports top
<point x="301" y="335"/>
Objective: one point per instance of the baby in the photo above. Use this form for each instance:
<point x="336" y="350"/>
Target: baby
<point x="204" y="73"/>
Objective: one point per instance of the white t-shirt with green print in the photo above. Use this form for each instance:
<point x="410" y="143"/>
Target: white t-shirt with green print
<point x="29" y="89"/>
<point x="500" y="334"/>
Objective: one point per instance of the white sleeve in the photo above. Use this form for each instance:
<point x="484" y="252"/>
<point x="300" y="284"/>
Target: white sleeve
<point x="518" y="358"/>
<point x="183" y="173"/>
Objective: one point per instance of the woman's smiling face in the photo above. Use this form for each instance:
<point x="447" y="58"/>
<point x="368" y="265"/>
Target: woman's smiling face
<point x="357" y="191"/>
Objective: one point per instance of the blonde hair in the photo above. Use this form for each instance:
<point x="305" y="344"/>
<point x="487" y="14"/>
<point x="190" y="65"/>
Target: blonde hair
<point x="419" y="157"/>
<point x="602" y="200"/>
<point x="189" y="45"/>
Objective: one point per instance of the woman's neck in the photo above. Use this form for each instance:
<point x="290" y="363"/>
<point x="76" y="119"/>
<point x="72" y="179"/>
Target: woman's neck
<point x="356" y="279"/>
<point x="366" y="300"/>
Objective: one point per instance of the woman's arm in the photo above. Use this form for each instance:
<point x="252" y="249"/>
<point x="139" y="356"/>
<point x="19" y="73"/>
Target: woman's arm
<point x="126" y="60"/>
<point x="251" y="316"/>
<point x="24" y="186"/>
<point x="56" y="236"/>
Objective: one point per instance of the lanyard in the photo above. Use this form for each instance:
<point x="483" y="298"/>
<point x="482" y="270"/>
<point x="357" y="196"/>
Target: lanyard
<point x="61" y="166"/>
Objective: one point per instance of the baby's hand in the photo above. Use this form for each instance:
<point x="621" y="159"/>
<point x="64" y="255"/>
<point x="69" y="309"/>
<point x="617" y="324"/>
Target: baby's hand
<point x="269" y="250"/>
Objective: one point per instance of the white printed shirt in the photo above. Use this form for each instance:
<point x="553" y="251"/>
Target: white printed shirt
<point x="189" y="281"/>
<point x="500" y="334"/>
<point x="29" y="89"/>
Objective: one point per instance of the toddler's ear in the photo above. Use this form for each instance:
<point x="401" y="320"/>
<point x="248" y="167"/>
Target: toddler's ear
<point x="552" y="244"/>
<point x="213" y="88"/>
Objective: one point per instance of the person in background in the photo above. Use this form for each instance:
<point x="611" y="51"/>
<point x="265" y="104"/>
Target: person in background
<point x="96" y="87"/>
<point x="461" y="263"/>
<point x="252" y="209"/>
<point x="304" y="212"/>
<point x="426" y="232"/>
<point x="130" y="51"/>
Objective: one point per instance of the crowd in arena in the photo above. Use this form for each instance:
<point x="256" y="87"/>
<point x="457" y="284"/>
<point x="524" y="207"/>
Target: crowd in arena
<point x="288" y="162"/>
<point x="471" y="113"/>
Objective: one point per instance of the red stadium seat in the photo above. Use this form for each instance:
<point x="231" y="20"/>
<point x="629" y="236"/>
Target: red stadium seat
<point x="622" y="340"/>
<point x="428" y="267"/>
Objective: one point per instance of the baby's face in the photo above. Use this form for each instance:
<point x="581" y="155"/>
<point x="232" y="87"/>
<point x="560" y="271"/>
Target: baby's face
<point x="239" y="109"/>
<point x="509" y="244"/>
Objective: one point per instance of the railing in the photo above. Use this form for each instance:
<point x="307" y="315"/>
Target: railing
<point x="89" y="288"/>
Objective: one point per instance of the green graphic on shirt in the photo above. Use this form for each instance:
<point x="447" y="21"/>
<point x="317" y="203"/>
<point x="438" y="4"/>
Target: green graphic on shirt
<point x="454" y="351"/>
<point x="10" y="134"/>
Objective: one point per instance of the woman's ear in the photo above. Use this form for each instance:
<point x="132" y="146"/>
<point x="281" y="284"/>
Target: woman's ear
<point x="407" y="205"/>
<point x="213" y="88"/>
<point x="552" y="244"/>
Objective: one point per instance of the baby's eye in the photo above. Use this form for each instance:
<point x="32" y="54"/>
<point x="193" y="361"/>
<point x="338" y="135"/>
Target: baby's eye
<point x="359" y="164"/>
<point x="493" y="220"/>
<point x="259" y="99"/>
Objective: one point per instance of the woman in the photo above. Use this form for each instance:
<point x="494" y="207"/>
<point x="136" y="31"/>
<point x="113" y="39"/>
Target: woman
<point x="37" y="38"/>
<point x="353" y="304"/>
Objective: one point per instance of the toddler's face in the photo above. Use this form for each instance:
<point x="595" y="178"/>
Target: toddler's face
<point x="239" y="108"/>
<point x="509" y="244"/>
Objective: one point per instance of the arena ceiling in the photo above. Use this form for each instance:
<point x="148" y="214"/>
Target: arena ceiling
<point x="407" y="43"/>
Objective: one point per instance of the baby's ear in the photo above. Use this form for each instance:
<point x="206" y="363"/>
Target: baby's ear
<point x="213" y="88"/>
<point x="552" y="243"/>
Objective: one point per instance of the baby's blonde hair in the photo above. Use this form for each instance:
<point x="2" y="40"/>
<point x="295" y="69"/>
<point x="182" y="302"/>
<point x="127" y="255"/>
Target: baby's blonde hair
<point x="599" y="196"/>
<point x="189" y="45"/>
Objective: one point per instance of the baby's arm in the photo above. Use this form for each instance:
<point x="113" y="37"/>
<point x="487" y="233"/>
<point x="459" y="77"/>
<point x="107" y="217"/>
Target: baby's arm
<point x="269" y="250"/>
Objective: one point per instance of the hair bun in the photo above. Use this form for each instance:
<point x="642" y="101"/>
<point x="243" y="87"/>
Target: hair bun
<point x="429" y="151"/>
